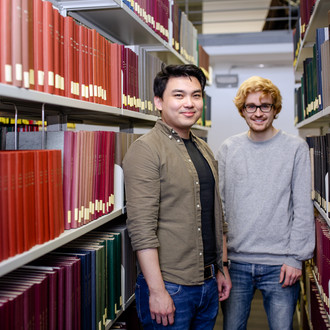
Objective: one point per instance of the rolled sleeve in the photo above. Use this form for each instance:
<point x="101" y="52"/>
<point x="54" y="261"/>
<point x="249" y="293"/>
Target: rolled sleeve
<point x="142" y="188"/>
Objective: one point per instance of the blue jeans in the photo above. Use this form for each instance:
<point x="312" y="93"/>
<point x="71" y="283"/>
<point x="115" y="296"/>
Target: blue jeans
<point x="196" y="307"/>
<point x="279" y="303"/>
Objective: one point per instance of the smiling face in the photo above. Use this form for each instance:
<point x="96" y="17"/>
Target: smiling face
<point x="182" y="104"/>
<point x="260" y="123"/>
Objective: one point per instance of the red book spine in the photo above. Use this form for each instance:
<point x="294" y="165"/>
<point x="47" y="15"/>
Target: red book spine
<point x="48" y="46"/>
<point x="16" y="36"/>
<point x="106" y="180"/>
<point x="90" y="65"/>
<point x="95" y="68"/>
<point x="62" y="74"/>
<point x="52" y="208"/>
<point x="100" y="175"/>
<point x="31" y="45"/>
<point x="81" y="62"/>
<point x="68" y="56"/>
<point x="4" y="223"/>
<point x="19" y="201"/>
<point x="76" y="86"/>
<point x="38" y="45"/>
<point x="5" y="38"/>
<point x="102" y="69"/>
<point x="113" y="76"/>
<point x="95" y="172"/>
<point x="81" y="177"/>
<point x="28" y="199"/>
<point x="25" y="44"/>
<point x="41" y="217"/>
<point x="57" y="52"/>
<point x="124" y="69"/>
<point x="90" y="173"/>
<point x="111" y="200"/>
<point x="99" y="68"/>
<point x="60" y="191"/>
<point x="57" y="193"/>
<point x="74" y="182"/>
<point x="67" y="177"/>
<point x="86" y="65"/>
<point x="108" y="71"/>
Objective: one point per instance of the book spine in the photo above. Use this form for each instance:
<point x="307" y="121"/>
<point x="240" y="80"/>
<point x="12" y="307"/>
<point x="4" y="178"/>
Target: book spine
<point x="6" y="70"/>
<point x="16" y="37"/>
<point x="48" y="47"/>
<point x="38" y="45"/>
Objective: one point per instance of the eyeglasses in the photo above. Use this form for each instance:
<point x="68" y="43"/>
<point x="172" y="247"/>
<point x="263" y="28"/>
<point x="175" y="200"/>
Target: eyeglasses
<point x="251" y="108"/>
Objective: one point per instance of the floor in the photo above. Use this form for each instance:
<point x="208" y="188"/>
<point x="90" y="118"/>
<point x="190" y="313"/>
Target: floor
<point x="258" y="318"/>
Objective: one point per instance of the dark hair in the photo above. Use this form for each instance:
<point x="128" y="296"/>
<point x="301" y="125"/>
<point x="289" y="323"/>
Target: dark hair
<point x="184" y="70"/>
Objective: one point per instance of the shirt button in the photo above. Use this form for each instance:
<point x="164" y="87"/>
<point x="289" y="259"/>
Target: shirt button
<point x="198" y="205"/>
<point x="189" y="160"/>
<point x="170" y="136"/>
<point x="200" y="253"/>
<point x="199" y="229"/>
<point x="178" y="140"/>
<point x="196" y="182"/>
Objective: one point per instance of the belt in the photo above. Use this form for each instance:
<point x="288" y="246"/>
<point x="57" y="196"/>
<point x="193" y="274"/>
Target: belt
<point x="210" y="271"/>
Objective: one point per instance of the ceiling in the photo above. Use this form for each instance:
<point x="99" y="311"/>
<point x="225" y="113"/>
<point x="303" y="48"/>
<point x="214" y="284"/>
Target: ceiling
<point x="252" y="33"/>
<point x="240" y="16"/>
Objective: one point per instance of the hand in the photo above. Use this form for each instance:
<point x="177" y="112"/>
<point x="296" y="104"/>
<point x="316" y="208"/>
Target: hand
<point x="289" y="275"/>
<point x="224" y="284"/>
<point x="162" y="308"/>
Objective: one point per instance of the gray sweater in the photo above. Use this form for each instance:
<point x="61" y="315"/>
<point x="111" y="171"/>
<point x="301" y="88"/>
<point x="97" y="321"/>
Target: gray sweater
<point x="266" y="193"/>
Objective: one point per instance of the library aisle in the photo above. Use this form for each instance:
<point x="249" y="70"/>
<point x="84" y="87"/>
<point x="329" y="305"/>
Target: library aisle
<point x="258" y="318"/>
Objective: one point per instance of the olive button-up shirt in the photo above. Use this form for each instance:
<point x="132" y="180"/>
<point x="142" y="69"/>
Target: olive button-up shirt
<point x="163" y="203"/>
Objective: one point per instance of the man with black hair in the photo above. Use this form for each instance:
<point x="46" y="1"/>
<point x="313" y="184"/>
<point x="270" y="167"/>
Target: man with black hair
<point x="174" y="211"/>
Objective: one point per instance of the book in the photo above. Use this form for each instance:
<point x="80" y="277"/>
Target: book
<point x="28" y="176"/>
<point x="68" y="56"/>
<point x="26" y="8"/>
<point x="4" y="192"/>
<point x="16" y="42"/>
<point x="128" y="263"/>
<point x="85" y="258"/>
<point x="6" y="70"/>
<point x="57" y="48"/>
<point x="40" y="163"/>
<point x="38" y="45"/>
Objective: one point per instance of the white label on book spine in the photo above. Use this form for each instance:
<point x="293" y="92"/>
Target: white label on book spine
<point x="8" y="73"/>
<point x="19" y="71"/>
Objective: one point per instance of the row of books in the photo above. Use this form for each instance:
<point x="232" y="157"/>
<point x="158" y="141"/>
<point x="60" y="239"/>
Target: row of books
<point x="54" y="54"/>
<point x="57" y="55"/>
<point x="322" y="259"/>
<point x="149" y="65"/>
<point x="314" y="315"/>
<point x="93" y="183"/>
<point x="318" y="316"/>
<point x="319" y="147"/>
<point x="78" y="286"/>
<point x="31" y="199"/>
<point x="306" y="8"/>
<point x="155" y="13"/>
<point x="313" y="95"/>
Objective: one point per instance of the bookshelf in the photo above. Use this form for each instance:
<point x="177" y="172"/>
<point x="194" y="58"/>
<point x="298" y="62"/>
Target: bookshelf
<point x="314" y="302"/>
<point x="118" y="23"/>
<point x="318" y="19"/>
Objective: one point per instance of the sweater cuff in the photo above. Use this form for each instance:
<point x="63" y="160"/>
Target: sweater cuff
<point x="290" y="261"/>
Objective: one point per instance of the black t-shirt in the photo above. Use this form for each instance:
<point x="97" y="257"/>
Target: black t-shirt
<point x="206" y="181"/>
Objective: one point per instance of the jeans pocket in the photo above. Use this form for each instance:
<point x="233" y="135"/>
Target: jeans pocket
<point x="172" y="288"/>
